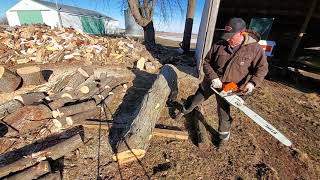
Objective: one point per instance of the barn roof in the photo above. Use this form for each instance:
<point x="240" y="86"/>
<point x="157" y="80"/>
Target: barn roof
<point x="73" y="9"/>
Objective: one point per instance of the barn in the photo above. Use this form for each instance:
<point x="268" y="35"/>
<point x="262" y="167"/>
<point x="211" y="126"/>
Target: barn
<point x="44" y="12"/>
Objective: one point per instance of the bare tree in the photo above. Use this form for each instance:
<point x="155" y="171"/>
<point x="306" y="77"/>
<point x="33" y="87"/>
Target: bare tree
<point x="143" y="12"/>
<point x="4" y="20"/>
<point x="188" y="26"/>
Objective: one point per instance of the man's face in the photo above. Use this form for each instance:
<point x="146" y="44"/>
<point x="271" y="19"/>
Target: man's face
<point x="235" y="39"/>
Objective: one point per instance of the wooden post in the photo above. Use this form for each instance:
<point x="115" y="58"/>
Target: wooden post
<point x="206" y="31"/>
<point x="188" y="26"/>
<point x="9" y="81"/>
<point x="302" y="30"/>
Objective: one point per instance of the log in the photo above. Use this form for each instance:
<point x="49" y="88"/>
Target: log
<point x="9" y="107"/>
<point x="51" y="176"/>
<point x="52" y="147"/>
<point x="30" y="98"/>
<point x="9" y="81"/>
<point x="137" y="136"/>
<point x="74" y="109"/>
<point x="77" y="119"/>
<point x="33" y="172"/>
<point x="31" y="75"/>
<point x="65" y="97"/>
<point x="25" y="119"/>
<point x="75" y="80"/>
<point x="171" y="134"/>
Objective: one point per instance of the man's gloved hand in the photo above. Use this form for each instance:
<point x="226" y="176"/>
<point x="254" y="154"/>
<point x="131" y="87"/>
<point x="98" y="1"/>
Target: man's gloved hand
<point x="248" y="88"/>
<point x="216" y="83"/>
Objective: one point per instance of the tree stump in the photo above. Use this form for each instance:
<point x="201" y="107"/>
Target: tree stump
<point x="31" y="75"/>
<point x="9" y="81"/>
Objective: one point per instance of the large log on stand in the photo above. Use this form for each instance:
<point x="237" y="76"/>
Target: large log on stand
<point x="130" y="143"/>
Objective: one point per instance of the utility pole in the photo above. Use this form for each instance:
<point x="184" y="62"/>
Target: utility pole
<point x="59" y="15"/>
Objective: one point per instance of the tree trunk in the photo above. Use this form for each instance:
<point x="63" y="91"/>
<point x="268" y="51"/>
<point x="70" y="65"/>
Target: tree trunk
<point x="135" y="138"/>
<point x="188" y="26"/>
<point x="149" y="35"/>
<point x="9" y="81"/>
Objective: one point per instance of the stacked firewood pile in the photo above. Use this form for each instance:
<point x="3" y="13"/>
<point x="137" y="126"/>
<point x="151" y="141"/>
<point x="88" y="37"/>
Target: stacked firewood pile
<point x="40" y="44"/>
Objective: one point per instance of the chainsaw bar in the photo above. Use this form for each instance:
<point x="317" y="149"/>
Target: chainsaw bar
<point x="239" y="103"/>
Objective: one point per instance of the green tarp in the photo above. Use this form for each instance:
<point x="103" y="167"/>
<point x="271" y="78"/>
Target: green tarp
<point x="30" y="17"/>
<point x="93" y="25"/>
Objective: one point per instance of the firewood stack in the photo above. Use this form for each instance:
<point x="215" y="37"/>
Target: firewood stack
<point x="40" y="45"/>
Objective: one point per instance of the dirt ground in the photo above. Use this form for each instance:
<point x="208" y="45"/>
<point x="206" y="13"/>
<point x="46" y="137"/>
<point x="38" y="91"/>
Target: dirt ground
<point x="251" y="153"/>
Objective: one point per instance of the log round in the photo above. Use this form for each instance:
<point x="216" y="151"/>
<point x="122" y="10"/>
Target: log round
<point x="9" y="81"/>
<point x="31" y="75"/>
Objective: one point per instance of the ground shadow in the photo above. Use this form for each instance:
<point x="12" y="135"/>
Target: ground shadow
<point x="293" y="79"/>
<point x="46" y="74"/>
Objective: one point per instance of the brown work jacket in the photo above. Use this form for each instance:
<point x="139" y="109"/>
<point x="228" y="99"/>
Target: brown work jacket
<point x="247" y="64"/>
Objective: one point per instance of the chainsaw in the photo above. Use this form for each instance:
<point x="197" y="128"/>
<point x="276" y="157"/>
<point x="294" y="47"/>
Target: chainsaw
<point x="231" y="93"/>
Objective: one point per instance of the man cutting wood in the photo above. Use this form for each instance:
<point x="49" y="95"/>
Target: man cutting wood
<point x="237" y="58"/>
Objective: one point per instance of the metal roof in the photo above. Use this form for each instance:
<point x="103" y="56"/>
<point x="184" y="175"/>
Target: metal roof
<point x="73" y="10"/>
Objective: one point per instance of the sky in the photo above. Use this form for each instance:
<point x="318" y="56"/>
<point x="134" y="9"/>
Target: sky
<point x="113" y="8"/>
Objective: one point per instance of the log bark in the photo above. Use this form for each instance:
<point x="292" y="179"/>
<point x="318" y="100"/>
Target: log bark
<point x="136" y="137"/>
<point x="30" y="98"/>
<point x="51" y="176"/>
<point x="9" y="81"/>
<point x="53" y="147"/>
<point x="74" y="109"/>
<point x="77" y="119"/>
<point x="33" y="172"/>
<point x="9" y="107"/>
<point x="74" y="81"/>
<point x="31" y="75"/>
<point x="25" y="119"/>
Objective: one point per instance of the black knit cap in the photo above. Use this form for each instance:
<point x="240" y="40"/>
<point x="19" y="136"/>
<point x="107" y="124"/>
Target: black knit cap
<point x="233" y="26"/>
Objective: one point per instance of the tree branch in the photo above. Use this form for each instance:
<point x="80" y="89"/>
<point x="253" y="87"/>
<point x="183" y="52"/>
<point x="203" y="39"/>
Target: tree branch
<point x="133" y="5"/>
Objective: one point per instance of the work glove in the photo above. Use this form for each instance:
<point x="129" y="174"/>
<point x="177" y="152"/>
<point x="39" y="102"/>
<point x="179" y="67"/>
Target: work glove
<point x="216" y="83"/>
<point x="248" y="88"/>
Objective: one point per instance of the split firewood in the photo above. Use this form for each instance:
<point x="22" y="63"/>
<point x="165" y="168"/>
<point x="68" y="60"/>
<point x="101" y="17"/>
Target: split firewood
<point x="74" y="109"/>
<point x="31" y="75"/>
<point x="9" y="81"/>
<point x="53" y="147"/>
<point x="51" y="176"/>
<point x="32" y="172"/>
<point x="30" y="98"/>
<point x="9" y="107"/>
<point x="136" y="137"/>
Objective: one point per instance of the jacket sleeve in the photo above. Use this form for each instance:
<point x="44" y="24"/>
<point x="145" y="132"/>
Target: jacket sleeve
<point x="260" y="68"/>
<point x="209" y="73"/>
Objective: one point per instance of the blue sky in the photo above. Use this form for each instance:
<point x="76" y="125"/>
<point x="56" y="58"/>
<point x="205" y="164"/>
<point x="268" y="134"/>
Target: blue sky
<point x="112" y="8"/>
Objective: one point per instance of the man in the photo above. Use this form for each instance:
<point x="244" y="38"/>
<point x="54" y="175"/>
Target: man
<point x="237" y="58"/>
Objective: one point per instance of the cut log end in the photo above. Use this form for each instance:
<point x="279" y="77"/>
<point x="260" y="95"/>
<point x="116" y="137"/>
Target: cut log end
<point x="129" y="156"/>
<point x="28" y="70"/>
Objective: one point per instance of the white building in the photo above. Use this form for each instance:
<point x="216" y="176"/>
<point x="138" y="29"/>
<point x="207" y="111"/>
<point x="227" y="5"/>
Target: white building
<point x="44" y="12"/>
